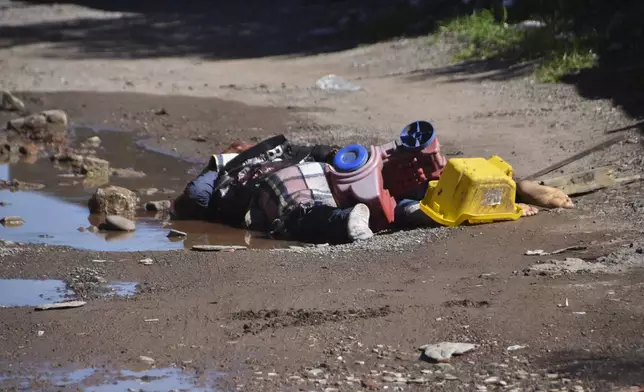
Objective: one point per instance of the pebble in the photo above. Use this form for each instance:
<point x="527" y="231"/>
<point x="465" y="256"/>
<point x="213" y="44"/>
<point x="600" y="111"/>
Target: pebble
<point x="41" y="333"/>
<point x="552" y="376"/>
<point x="176" y="233"/>
<point x="115" y="222"/>
<point x="314" y="372"/>
<point x="147" y="261"/>
<point x="61" y="305"/>
<point x="449" y="377"/>
<point x="93" y="141"/>
<point x="82" y="229"/>
<point x="272" y="374"/>
<point x="12" y="221"/>
<point x="218" y="248"/>
<point x="444" y="350"/>
<point x="148" y="191"/>
<point x="388" y="379"/>
<point x="419" y="380"/>
<point x="160" y="205"/>
<point x="92" y="229"/>
<point x="427" y="371"/>
<point x="481" y="388"/>
<point x="147" y="360"/>
<point x="578" y="388"/>
<point x="361" y="363"/>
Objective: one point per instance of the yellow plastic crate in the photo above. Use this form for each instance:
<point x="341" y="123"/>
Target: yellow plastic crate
<point x="475" y="190"/>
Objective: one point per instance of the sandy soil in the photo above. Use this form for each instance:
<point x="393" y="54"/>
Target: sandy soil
<point x="265" y="318"/>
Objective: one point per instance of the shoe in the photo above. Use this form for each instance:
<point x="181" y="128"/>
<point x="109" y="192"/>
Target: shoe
<point x="358" y="223"/>
<point x="414" y="216"/>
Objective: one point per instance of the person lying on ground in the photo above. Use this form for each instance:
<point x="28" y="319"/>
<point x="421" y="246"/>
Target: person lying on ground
<point x="292" y="199"/>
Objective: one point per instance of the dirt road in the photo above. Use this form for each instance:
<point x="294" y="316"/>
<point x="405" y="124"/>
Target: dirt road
<point x="334" y="318"/>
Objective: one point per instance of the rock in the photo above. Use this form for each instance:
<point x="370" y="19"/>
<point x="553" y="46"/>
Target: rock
<point x="314" y="373"/>
<point x="370" y="384"/>
<point x="92" y="229"/>
<point x="336" y="83"/>
<point x="420" y="380"/>
<point x="10" y="102"/>
<point x="29" y="149"/>
<point x="114" y="200"/>
<point x="516" y="347"/>
<point x="115" y="222"/>
<point x="495" y="381"/>
<point x="75" y="160"/>
<point x="61" y="305"/>
<point x="56" y="117"/>
<point x="147" y="191"/>
<point x="160" y="205"/>
<point x="449" y="377"/>
<point x="16" y="185"/>
<point x="218" y="248"/>
<point x="93" y="141"/>
<point x="48" y="126"/>
<point x="147" y="261"/>
<point x="12" y="221"/>
<point x="146" y="360"/>
<point x="127" y="173"/>
<point x="177" y="233"/>
<point x="443" y="351"/>
<point x="95" y="167"/>
<point x="82" y="229"/>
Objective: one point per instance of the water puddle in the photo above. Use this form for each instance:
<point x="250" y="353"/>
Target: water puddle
<point x="54" y="214"/>
<point x="99" y="380"/>
<point x="33" y="292"/>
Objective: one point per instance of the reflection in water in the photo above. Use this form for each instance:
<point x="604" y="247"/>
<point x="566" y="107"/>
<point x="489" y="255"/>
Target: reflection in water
<point x="100" y="380"/>
<point x="33" y="292"/>
<point x="27" y="292"/>
<point x="54" y="214"/>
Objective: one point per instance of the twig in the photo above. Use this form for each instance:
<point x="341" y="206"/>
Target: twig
<point x="576" y="157"/>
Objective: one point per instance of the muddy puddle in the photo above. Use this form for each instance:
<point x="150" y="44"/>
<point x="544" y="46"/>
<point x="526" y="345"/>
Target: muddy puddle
<point x="34" y="292"/>
<point x="100" y="380"/>
<point x="54" y="215"/>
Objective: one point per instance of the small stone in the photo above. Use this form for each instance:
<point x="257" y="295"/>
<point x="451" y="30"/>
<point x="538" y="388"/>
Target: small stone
<point x="56" y="117"/>
<point x="160" y="205"/>
<point x="61" y="305"/>
<point x="127" y="173"/>
<point x="92" y="229"/>
<point x="491" y="380"/>
<point x="95" y="167"/>
<point x="481" y="388"/>
<point x="218" y="248"/>
<point x="388" y="379"/>
<point x="272" y="374"/>
<point x="578" y="388"/>
<point x="314" y="372"/>
<point x="93" y="141"/>
<point x="147" y="191"/>
<point x="361" y="363"/>
<point x="335" y="83"/>
<point x="11" y="102"/>
<point x="552" y="376"/>
<point x="449" y="377"/>
<point x="176" y="233"/>
<point x="419" y="380"/>
<point x="443" y="351"/>
<point x="146" y="360"/>
<point x="12" y="221"/>
<point x="147" y="261"/>
<point x="41" y="333"/>
<point x="427" y="371"/>
<point x="370" y="384"/>
<point x="446" y="367"/>
<point x="115" y="222"/>
<point x="81" y="229"/>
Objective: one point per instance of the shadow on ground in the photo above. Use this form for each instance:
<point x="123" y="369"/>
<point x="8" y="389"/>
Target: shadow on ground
<point x="621" y="83"/>
<point x="600" y="369"/>
<point x="222" y="29"/>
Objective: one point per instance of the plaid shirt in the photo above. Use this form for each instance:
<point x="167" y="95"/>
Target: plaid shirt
<point x="298" y="185"/>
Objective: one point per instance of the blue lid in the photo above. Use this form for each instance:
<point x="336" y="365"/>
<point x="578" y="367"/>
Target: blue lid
<point x="417" y="135"/>
<point x="350" y="158"/>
